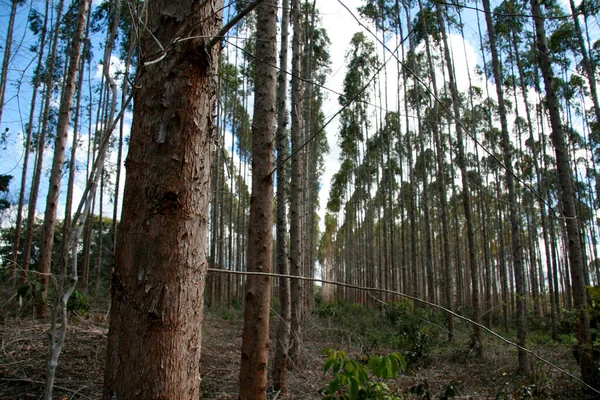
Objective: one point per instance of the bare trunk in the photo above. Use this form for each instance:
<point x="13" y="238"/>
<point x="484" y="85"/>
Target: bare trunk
<point x="512" y="198"/>
<point x="64" y="118"/>
<point x="41" y="144"/>
<point x="466" y="196"/>
<point x="60" y="145"/>
<point x="255" y="335"/>
<point x="27" y="150"/>
<point x="567" y="200"/>
<point x="7" y="50"/>
<point x="283" y="266"/>
<point x="296" y="188"/>
<point x="155" y="332"/>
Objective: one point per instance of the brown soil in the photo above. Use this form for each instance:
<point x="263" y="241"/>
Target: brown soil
<point x="23" y="353"/>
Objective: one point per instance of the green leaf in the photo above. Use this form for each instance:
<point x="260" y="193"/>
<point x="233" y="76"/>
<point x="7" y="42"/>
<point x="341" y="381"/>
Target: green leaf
<point x="354" y="384"/>
<point x="401" y="360"/>
<point x="334" y="386"/>
<point x="388" y="368"/>
<point x="394" y="362"/>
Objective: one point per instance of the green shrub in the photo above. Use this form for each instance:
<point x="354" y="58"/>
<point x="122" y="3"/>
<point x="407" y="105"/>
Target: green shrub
<point x="355" y="380"/>
<point x="78" y="303"/>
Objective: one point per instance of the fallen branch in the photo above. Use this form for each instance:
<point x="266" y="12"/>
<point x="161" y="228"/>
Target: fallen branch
<point x="417" y="300"/>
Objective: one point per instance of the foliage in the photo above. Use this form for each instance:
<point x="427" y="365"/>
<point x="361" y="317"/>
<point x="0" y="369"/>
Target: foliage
<point x="4" y="182"/>
<point x="416" y="329"/>
<point x="78" y="303"/>
<point x="422" y="391"/>
<point x="355" y="380"/>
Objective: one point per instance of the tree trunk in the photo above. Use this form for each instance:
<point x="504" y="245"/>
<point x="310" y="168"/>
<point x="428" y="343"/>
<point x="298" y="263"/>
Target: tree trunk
<point x="60" y="145"/>
<point x="155" y="328"/>
<point x="466" y="196"/>
<point x="27" y="150"/>
<point x="567" y="199"/>
<point x="41" y="144"/>
<point x="255" y="335"/>
<point x="7" y="49"/>
<point x="283" y="267"/>
<point x="296" y="187"/>
<point x="62" y="132"/>
<point x="512" y="197"/>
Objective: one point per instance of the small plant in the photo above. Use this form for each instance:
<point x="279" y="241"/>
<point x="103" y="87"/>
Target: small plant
<point x="421" y="390"/>
<point x="451" y="390"/>
<point x="355" y="380"/>
<point x="78" y="303"/>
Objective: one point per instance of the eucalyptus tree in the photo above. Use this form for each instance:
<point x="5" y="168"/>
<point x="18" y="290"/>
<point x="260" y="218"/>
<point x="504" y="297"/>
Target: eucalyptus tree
<point x="41" y="140"/>
<point x="7" y="51"/>
<point x="567" y="198"/>
<point x="316" y="60"/>
<point x="432" y="118"/>
<point x="60" y="145"/>
<point x="296" y="196"/>
<point x="282" y="344"/>
<point x="160" y="267"/>
<point x="476" y="344"/>
<point x="39" y="28"/>
<point x="512" y="197"/>
<point x="255" y="334"/>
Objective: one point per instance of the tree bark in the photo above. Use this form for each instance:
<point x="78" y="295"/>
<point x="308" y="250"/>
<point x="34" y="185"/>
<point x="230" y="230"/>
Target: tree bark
<point x="283" y="266"/>
<point x="155" y="331"/>
<point x="255" y="335"/>
<point x="7" y="50"/>
<point x="476" y="344"/>
<point x="296" y="187"/>
<point x="27" y="150"/>
<point x="60" y="145"/>
<point x="515" y="224"/>
<point x="567" y="199"/>
<point x="41" y="144"/>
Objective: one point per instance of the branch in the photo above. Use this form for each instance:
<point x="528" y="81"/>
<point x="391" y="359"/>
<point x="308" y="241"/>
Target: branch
<point x="415" y="299"/>
<point x="221" y="34"/>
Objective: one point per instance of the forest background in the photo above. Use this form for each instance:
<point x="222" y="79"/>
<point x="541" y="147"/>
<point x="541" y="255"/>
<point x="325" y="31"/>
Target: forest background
<point x="412" y="170"/>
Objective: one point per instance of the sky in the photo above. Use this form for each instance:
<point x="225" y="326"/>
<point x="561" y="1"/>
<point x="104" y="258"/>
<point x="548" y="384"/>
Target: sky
<point x="337" y="20"/>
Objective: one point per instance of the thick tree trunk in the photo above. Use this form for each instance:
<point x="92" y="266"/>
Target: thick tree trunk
<point x="155" y="329"/>
<point x="567" y="199"/>
<point x="255" y="335"/>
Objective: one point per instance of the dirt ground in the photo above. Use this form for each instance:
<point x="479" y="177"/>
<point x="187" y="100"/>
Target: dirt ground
<point x="23" y="352"/>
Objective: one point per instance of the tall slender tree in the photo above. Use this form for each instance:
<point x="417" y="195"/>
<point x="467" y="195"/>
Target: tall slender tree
<point x="567" y="198"/>
<point x="283" y="267"/>
<point x="255" y="335"/>
<point x="517" y="250"/>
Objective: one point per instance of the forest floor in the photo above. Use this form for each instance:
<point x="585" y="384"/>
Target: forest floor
<point x="23" y="353"/>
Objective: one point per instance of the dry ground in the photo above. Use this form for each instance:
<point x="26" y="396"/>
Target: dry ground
<point x="23" y="356"/>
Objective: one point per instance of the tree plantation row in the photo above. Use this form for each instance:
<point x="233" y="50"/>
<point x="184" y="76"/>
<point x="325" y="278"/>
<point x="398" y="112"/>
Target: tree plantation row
<point x="438" y="158"/>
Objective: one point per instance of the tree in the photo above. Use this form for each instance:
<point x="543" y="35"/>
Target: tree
<point x="512" y="197"/>
<point x="255" y="335"/>
<point x="60" y="145"/>
<point x="7" y="50"/>
<point x="283" y="266"/>
<point x="296" y="186"/>
<point x="155" y="331"/>
<point x="567" y="199"/>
